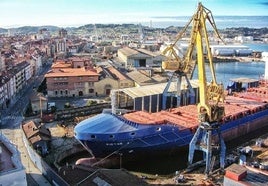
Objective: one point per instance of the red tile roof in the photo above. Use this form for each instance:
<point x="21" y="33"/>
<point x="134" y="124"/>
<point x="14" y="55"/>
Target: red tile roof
<point x="71" y="72"/>
<point x="118" y="74"/>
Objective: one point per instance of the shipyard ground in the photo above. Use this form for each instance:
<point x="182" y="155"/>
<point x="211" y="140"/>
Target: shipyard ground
<point x="196" y="177"/>
<point x="63" y="141"/>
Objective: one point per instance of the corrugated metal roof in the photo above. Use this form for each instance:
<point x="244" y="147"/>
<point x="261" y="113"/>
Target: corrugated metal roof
<point x="131" y="52"/>
<point x="148" y="90"/>
<point x="128" y="51"/>
<point x="244" y="80"/>
<point x="148" y="52"/>
<point x="140" y="78"/>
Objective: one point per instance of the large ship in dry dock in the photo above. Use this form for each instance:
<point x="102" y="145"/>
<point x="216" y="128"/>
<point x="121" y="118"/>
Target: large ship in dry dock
<point x="140" y="132"/>
<point x="135" y="133"/>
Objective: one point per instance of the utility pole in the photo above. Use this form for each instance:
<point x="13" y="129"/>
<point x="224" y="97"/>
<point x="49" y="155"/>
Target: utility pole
<point x="40" y="104"/>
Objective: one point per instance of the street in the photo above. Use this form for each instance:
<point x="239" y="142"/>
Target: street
<point x="11" y="119"/>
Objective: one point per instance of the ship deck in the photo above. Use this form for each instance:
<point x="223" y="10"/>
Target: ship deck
<point x="236" y="106"/>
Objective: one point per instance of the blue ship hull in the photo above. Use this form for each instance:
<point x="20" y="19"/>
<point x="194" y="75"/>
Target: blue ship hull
<point x="107" y="134"/>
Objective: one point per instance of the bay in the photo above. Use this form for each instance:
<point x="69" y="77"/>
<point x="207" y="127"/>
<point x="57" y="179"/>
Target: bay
<point x="222" y="22"/>
<point x="228" y="70"/>
<point x="261" y="47"/>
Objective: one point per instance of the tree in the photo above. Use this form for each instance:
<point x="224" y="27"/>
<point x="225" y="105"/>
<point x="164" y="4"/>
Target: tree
<point x="91" y="102"/>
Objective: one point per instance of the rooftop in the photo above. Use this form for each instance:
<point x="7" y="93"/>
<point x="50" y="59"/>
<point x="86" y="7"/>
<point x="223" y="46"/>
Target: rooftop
<point x="244" y="80"/>
<point x="82" y="175"/>
<point x="10" y="156"/>
<point x="70" y="72"/>
<point x="61" y="64"/>
<point x="127" y="51"/>
<point x="117" y="73"/>
<point x="245" y="175"/>
<point x="140" y="78"/>
<point x="36" y="132"/>
<point x="154" y="89"/>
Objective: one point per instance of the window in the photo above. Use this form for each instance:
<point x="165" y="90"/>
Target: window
<point x="66" y="92"/>
<point x="93" y="136"/>
<point x="158" y="128"/>
<point x="111" y="136"/>
<point x="56" y="92"/>
<point x="91" y="90"/>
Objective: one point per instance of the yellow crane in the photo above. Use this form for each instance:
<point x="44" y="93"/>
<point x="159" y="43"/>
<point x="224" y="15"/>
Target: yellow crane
<point x="211" y="95"/>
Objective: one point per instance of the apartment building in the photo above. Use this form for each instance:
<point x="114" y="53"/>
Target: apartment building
<point x="13" y="81"/>
<point x="76" y="76"/>
<point x="22" y="73"/>
<point x="71" y="82"/>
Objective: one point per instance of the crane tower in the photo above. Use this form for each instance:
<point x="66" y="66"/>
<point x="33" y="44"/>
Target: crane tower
<point x="210" y="108"/>
<point x="211" y="96"/>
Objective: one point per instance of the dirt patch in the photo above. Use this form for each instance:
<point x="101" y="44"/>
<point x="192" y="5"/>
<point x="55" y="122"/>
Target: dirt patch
<point x="62" y="140"/>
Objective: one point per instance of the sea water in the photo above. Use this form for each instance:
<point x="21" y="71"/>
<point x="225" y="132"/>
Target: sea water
<point x="225" y="71"/>
<point x="222" y="22"/>
<point x="230" y="70"/>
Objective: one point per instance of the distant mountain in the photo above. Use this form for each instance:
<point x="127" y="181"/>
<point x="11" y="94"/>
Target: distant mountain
<point x="85" y="28"/>
<point x="30" y="29"/>
<point x="3" y="30"/>
<point x="257" y="33"/>
<point x="231" y="32"/>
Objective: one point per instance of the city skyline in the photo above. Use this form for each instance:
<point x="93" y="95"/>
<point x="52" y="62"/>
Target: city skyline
<point x="76" y="13"/>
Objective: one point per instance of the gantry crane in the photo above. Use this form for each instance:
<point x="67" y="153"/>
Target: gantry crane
<point x="211" y="95"/>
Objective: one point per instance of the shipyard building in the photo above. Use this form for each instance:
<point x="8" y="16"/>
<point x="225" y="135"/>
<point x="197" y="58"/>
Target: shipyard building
<point x="149" y="98"/>
<point x="217" y="50"/>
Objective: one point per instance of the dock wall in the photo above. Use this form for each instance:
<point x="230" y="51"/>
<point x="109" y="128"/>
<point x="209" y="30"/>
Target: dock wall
<point x="43" y="167"/>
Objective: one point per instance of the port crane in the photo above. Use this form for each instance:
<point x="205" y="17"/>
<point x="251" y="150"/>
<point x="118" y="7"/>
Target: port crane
<point x="211" y="95"/>
<point x="180" y="67"/>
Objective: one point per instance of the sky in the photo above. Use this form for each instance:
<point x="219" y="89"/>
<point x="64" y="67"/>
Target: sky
<point x="64" y="13"/>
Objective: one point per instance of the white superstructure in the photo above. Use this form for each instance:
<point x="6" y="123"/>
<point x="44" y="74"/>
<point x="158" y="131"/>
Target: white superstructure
<point x="230" y="50"/>
<point x="265" y="59"/>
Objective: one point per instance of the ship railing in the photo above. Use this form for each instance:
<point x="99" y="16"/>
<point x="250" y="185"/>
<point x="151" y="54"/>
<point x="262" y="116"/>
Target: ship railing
<point x="117" y="111"/>
<point x="118" y="114"/>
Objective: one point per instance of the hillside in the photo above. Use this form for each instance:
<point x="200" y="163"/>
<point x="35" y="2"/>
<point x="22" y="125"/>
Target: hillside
<point x="257" y="33"/>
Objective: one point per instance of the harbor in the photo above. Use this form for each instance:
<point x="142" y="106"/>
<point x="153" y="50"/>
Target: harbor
<point x="114" y="105"/>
